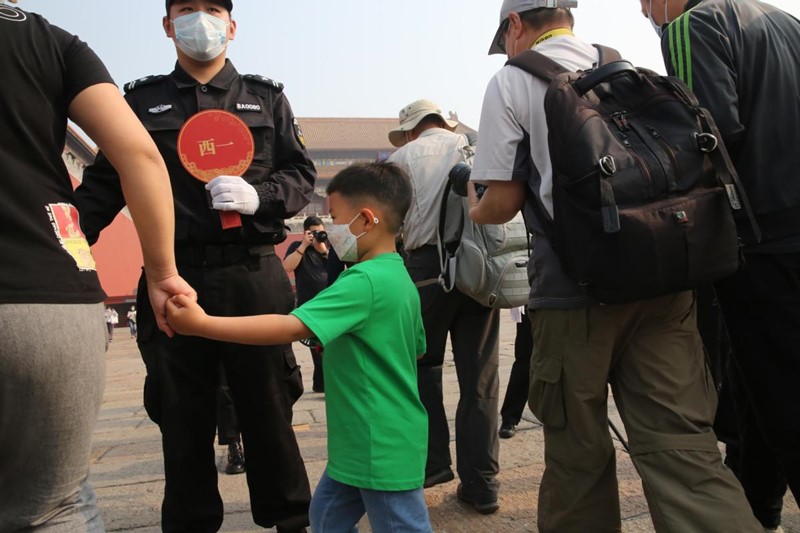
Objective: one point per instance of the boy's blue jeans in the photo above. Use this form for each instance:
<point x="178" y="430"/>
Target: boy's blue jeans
<point x="337" y="508"/>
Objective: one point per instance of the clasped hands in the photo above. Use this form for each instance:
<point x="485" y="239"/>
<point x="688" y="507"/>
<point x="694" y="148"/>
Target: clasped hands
<point x="184" y="315"/>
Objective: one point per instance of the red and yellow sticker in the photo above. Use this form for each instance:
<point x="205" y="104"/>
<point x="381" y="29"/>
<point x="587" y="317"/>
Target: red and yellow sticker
<point x="66" y="224"/>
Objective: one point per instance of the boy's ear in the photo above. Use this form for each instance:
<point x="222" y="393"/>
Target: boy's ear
<point x="371" y="218"/>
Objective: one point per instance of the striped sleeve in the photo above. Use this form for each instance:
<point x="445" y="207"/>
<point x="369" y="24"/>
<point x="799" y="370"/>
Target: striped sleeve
<point x="680" y="48"/>
<point x="697" y="49"/>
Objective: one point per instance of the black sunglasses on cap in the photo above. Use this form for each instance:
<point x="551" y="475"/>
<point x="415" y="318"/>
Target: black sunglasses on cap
<point x="501" y="43"/>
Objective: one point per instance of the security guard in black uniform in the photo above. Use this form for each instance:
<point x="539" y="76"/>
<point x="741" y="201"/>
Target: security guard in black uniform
<point x="235" y="272"/>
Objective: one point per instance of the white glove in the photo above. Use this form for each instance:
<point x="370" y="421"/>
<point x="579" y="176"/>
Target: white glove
<point x="232" y="193"/>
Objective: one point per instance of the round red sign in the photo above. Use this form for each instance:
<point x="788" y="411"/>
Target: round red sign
<point x="215" y="142"/>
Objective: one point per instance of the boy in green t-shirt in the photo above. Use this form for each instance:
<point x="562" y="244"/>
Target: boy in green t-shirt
<point x="370" y="323"/>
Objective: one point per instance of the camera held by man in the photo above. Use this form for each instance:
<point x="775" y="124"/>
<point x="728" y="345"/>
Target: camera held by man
<point x="319" y="235"/>
<point x="459" y="177"/>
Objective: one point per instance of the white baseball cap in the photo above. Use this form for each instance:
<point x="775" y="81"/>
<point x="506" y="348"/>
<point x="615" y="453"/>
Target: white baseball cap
<point x="519" y="6"/>
<point x="411" y="115"/>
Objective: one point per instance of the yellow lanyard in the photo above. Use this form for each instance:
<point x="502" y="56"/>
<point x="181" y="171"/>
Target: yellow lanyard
<point x="552" y="33"/>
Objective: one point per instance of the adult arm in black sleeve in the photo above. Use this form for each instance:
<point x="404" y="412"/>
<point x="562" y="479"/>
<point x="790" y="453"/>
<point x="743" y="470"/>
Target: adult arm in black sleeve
<point x="290" y="186"/>
<point x="99" y="197"/>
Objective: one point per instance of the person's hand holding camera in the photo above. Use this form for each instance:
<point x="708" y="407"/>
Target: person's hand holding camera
<point x="308" y="240"/>
<point x="315" y="238"/>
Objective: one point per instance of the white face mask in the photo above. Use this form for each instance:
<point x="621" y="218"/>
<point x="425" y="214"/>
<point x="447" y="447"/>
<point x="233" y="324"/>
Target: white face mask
<point x="344" y="243"/>
<point x="201" y="36"/>
<point x="659" y="29"/>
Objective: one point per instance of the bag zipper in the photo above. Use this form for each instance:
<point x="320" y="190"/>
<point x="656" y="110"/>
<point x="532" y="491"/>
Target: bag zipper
<point x="671" y="153"/>
<point x="654" y="155"/>
<point x="620" y="119"/>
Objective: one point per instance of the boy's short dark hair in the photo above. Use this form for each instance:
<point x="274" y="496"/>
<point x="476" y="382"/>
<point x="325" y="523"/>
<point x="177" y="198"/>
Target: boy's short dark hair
<point x="384" y="183"/>
<point x="311" y="221"/>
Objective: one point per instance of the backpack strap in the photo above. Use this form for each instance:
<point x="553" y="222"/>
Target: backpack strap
<point x="537" y="64"/>
<point x="607" y="55"/>
<point x="726" y="171"/>
<point x="446" y="278"/>
<point x="547" y="69"/>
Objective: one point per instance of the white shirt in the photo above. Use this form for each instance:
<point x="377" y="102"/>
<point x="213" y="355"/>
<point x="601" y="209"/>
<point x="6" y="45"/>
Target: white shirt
<point x="513" y="113"/>
<point x="428" y="160"/>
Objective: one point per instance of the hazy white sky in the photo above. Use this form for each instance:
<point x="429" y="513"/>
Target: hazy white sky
<point x="351" y="58"/>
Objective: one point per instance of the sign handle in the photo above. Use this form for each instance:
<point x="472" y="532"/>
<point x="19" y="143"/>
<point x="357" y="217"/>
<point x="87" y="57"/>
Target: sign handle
<point x="230" y="219"/>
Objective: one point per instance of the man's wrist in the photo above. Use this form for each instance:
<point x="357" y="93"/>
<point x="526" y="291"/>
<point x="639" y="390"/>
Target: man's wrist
<point x="299" y="251"/>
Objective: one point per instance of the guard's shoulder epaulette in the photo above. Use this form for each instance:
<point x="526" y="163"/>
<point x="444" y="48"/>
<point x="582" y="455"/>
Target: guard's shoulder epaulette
<point x="141" y="82"/>
<point x="278" y="86"/>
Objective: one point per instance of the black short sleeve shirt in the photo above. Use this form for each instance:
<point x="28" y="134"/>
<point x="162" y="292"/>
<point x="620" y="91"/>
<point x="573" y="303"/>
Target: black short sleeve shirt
<point x="311" y="275"/>
<point x="45" y="258"/>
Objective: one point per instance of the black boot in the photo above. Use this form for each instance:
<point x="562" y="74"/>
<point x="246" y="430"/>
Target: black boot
<point x="235" y="459"/>
<point x="507" y="430"/>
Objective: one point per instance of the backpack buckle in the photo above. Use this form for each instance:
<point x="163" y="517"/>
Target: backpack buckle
<point x="706" y="142"/>
<point x="447" y="279"/>
<point x="608" y="165"/>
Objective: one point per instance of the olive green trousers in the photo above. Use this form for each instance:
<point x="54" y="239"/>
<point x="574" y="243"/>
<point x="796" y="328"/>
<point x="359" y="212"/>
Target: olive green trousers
<point x="651" y="354"/>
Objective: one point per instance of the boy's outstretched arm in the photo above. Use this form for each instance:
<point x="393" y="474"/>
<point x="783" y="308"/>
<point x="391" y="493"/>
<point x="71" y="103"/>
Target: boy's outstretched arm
<point x="188" y="318"/>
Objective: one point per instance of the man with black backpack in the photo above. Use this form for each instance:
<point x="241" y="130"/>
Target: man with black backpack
<point x="647" y="349"/>
<point x="429" y="148"/>
<point x="742" y="60"/>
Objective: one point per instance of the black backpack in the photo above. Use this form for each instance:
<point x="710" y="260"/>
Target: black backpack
<point x="643" y="188"/>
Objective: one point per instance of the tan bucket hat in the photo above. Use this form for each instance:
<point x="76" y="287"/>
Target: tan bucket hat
<point x="411" y="115"/>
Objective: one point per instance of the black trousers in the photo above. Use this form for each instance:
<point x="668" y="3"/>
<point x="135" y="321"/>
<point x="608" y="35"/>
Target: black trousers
<point x="746" y="453"/>
<point x="474" y="335"/>
<point x="318" y="378"/>
<point x="761" y="306"/>
<point x="519" y="380"/>
<point x="227" y="420"/>
<point x="750" y="458"/>
<point x="265" y="381"/>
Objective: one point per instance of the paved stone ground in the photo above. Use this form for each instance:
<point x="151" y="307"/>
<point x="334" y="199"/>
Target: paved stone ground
<point x="127" y="469"/>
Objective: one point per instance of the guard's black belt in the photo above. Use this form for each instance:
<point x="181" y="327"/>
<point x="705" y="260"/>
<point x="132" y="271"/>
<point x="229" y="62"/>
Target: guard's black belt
<point x="214" y="255"/>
